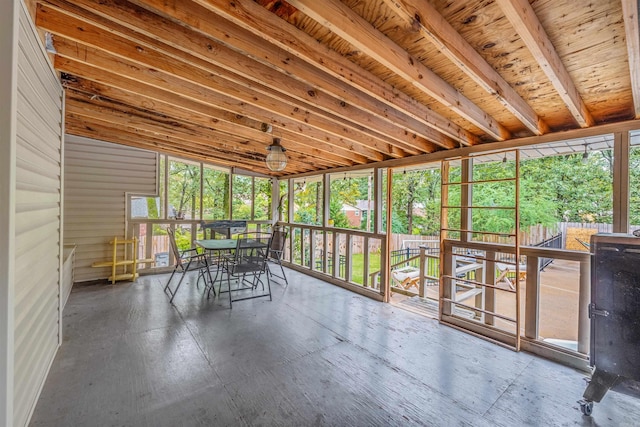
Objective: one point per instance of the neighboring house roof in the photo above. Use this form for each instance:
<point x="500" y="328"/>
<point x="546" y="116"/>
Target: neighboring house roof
<point x="349" y="208"/>
<point x="362" y="205"/>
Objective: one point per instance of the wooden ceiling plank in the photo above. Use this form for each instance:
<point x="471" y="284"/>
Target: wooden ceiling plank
<point x="250" y="16"/>
<point x="197" y="114"/>
<point x="188" y="45"/>
<point x="526" y="23"/>
<point x="125" y="84"/>
<point x="135" y="136"/>
<point x="351" y="27"/>
<point x="204" y="86"/>
<point x="631" y="16"/>
<point x="175" y="129"/>
<point x="101" y="95"/>
<point x="262" y="108"/>
<point x="77" y="126"/>
<point x="422" y="15"/>
<point x="83" y="31"/>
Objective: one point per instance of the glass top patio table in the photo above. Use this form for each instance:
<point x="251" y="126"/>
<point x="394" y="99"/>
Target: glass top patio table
<point x="217" y="244"/>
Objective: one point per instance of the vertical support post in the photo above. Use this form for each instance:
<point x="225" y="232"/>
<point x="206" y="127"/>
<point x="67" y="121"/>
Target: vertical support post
<point x="302" y="245"/>
<point x="325" y="251"/>
<point x="365" y="266"/>
<point x="621" y="145"/>
<point x="444" y="224"/>
<point x="444" y="201"/>
<point x="423" y="269"/>
<point x="326" y="200"/>
<point x="231" y="175"/>
<point x="291" y="197"/>
<point x="386" y="255"/>
<point x="490" y="293"/>
<point x="517" y="249"/>
<point x="8" y="128"/>
<point x="377" y="198"/>
<point x="336" y="256"/>
<point x="348" y="270"/>
<point x="369" y="178"/>
<point x="148" y="250"/>
<point x="383" y="266"/>
<point x="253" y="197"/>
<point x="584" y="299"/>
<point x="466" y="196"/>
<point x="292" y="239"/>
<point x="446" y="284"/>
<point x="201" y="204"/>
<point x="275" y="201"/>
<point x="312" y="246"/>
<point x="532" y="299"/>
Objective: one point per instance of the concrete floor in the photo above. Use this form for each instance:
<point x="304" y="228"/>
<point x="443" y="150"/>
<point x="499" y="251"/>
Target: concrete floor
<point x="315" y="355"/>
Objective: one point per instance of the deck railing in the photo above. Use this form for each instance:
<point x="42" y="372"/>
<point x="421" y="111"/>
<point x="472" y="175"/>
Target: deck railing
<point x="494" y="310"/>
<point x="341" y="256"/>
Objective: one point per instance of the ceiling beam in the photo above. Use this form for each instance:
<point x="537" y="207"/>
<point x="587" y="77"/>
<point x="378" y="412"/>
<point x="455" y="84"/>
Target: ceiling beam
<point x="78" y="126"/>
<point x="75" y="59"/>
<point x="156" y="69"/>
<point x="209" y="55"/>
<point x="250" y="20"/>
<point x="631" y="17"/>
<point x="526" y="23"/>
<point x="165" y="103"/>
<point x="152" y="99"/>
<point x="172" y="128"/>
<point x="347" y="24"/>
<point x="422" y="15"/>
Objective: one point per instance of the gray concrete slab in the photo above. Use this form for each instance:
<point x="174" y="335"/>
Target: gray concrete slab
<point x="315" y="355"/>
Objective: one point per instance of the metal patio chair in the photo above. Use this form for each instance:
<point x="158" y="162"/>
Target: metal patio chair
<point x="246" y="266"/>
<point x="187" y="260"/>
<point x="276" y="251"/>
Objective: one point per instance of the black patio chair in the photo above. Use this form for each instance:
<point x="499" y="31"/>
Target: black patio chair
<point x="187" y="260"/>
<point x="246" y="266"/>
<point x="276" y="251"/>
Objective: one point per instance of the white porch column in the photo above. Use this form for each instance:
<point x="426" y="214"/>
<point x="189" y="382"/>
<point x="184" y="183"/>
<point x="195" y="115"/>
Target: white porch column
<point x="8" y="95"/>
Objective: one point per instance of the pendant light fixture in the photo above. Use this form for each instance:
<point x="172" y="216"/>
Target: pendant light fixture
<point x="585" y="155"/>
<point x="276" y="159"/>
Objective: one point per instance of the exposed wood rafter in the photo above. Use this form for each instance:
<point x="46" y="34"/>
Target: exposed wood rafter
<point x="421" y="15"/>
<point x="262" y="23"/>
<point x="343" y="83"/>
<point x="526" y="23"/>
<point x="351" y="27"/>
<point x="631" y="17"/>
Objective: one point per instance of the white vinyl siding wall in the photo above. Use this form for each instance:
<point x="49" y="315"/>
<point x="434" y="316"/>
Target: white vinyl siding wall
<point x="37" y="220"/>
<point x="97" y="176"/>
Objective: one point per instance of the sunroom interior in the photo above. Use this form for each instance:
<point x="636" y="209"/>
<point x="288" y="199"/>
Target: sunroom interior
<point x="451" y="158"/>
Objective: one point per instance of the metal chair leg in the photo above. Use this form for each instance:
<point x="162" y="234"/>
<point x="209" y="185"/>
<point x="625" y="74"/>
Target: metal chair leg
<point x="184" y="272"/>
<point x="170" y="277"/>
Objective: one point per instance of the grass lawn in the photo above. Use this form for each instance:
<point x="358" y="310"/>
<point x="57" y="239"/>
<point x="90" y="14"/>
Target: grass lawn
<point x="357" y="266"/>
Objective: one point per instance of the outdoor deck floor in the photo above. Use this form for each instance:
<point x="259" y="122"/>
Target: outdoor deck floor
<point x="559" y="291"/>
<point x="315" y="355"/>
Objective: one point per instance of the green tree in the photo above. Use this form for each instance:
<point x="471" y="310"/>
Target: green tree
<point x="215" y="197"/>
<point x="184" y="188"/>
<point x="242" y="197"/>
<point x="308" y="203"/>
<point x="416" y="202"/>
<point x="337" y="215"/>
